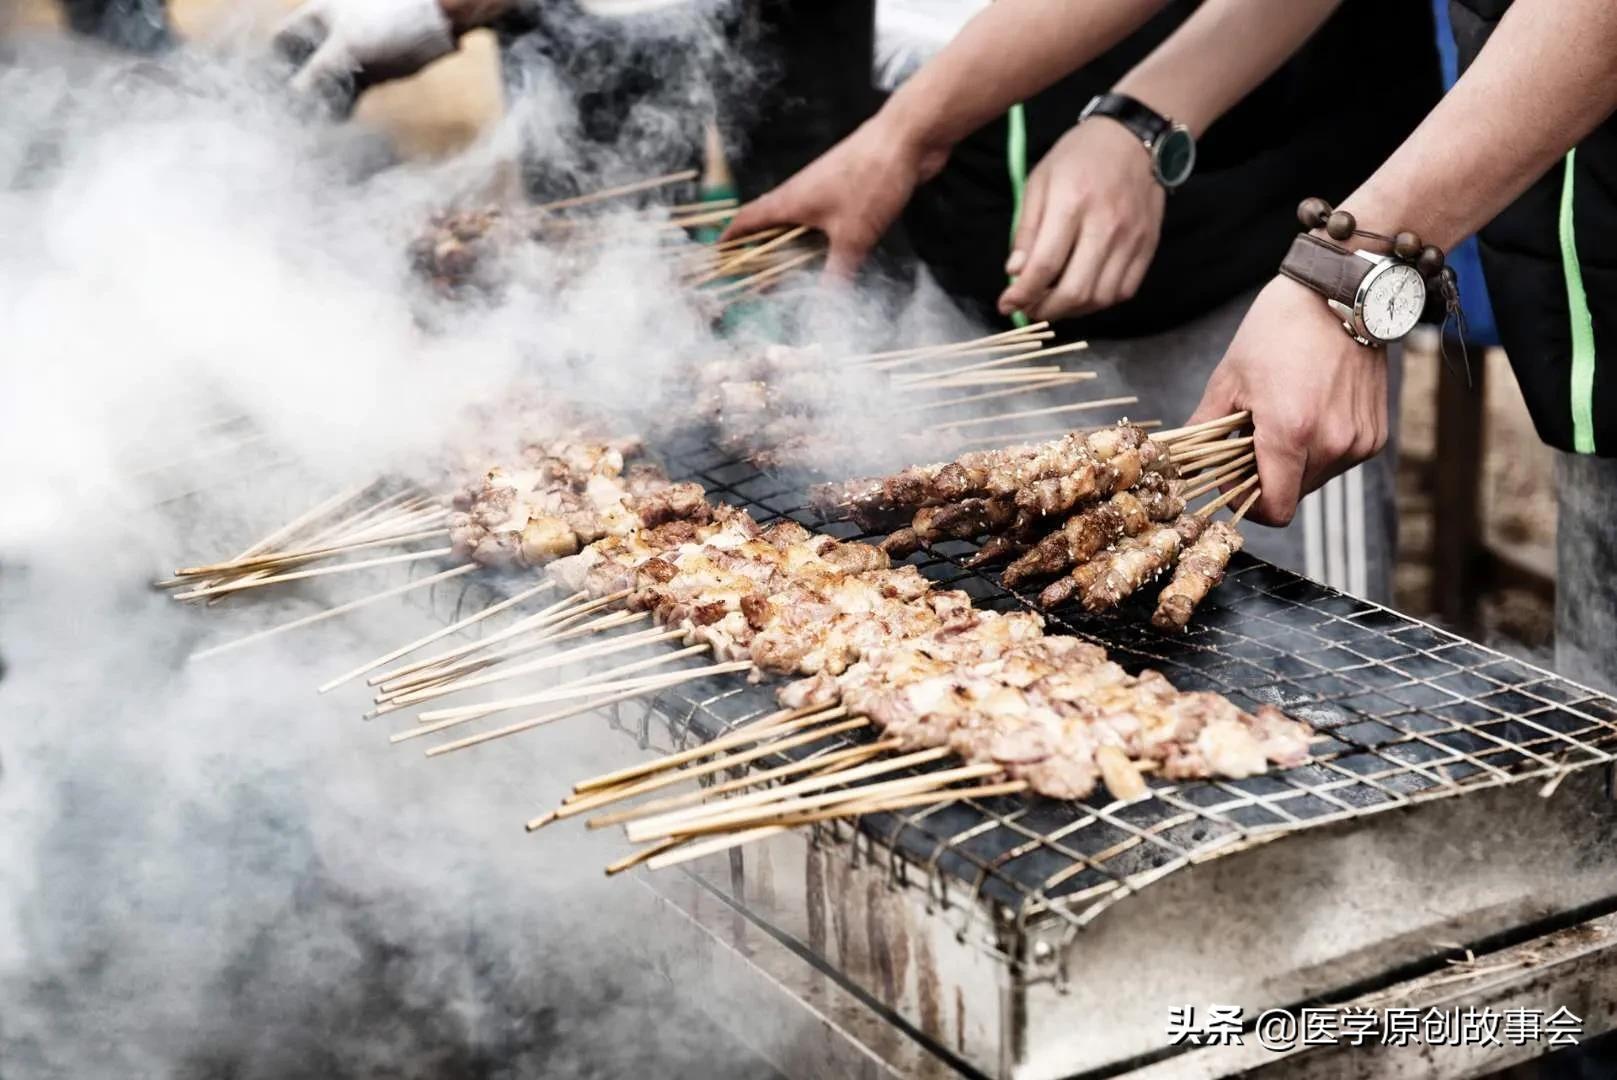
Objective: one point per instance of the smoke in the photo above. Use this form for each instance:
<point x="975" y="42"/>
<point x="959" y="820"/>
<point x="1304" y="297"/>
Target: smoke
<point x="209" y="322"/>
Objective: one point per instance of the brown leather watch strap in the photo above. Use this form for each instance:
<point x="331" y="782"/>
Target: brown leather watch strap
<point x="1333" y="272"/>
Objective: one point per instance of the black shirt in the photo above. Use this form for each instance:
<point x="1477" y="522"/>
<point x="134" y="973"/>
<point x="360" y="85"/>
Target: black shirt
<point x="1319" y="126"/>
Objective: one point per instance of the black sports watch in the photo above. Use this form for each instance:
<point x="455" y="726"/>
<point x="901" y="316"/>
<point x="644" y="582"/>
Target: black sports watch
<point x="1172" y="147"/>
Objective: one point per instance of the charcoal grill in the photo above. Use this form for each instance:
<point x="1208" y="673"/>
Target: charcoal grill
<point x="1030" y="938"/>
<point x="1034" y="938"/>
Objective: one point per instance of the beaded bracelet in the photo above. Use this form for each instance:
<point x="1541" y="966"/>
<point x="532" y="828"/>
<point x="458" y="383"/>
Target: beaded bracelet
<point x="1339" y="225"/>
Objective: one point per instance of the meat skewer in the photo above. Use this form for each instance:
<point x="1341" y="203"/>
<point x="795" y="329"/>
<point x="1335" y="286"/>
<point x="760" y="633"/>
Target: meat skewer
<point x="1112" y="576"/>
<point x="1200" y="570"/>
<point x="1086" y="534"/>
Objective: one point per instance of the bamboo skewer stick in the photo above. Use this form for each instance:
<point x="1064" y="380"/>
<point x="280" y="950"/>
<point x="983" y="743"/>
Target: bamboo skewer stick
<point x="658" y="860"/>
<point x="596" y="800"/>
<point x="1247" y="505"/>
<point x="437" y="635"/>
<point x="1051" y="381"/>
<point x="575" y="688"/>
<point x="749" y="732"/>
<point x="391" y="680"/>
<point x="1219" y="477"/>
<point x="526" y="725"/>
<point x="1103" y="403"/>
<point x="768" y="274"/>
<point x="323" y="571"/>
<point x="614" y="192"/>
<point x="1046" y="433"/>
<point x="340" y="609"/>
<point x="727" y="267"/>
<point x="1032" y="330"/>
<point x="763" y="815"/>
<point x="1211" y="449"/>
<point x="1225" y="499"/>
<point x="304" y="519"/>
<point x="263" y="561"/>
<point x="991" y="378"/>
<point x="1022" y="352"/>
<point x="633" y="688"/>
<point x="389" y="700"/>
<point x="1026" y="348"/>
<point x="604" y="648"/>
<point x="668" y="823"/>
<point x="1223" y="423"/>
<point x="821" y="763"/>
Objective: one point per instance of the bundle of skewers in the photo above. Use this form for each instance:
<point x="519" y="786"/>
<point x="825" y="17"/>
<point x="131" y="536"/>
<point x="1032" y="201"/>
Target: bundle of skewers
<point x="1104" y="512"/>
<point x="468" y="251"/>
<point x="873" y="648"/>
<point x="804" y="407"/>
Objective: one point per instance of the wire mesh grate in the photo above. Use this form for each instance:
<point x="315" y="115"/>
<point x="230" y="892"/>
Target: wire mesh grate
<point x="1406" y="713"/>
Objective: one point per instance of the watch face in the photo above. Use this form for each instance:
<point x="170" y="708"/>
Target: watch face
<point x="1175" y="154"/>
<point x="1393" y="302"/>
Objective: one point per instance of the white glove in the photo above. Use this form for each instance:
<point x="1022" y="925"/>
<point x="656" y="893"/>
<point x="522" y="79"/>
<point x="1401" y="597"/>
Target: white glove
<point x="367" y="41"/>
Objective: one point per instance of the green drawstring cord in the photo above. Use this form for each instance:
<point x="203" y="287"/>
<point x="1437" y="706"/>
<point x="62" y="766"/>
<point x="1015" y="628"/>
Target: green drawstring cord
<point x="1016" y="158"/>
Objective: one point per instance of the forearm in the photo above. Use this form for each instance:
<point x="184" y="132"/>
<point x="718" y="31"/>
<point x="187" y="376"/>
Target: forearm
<point x="1006" y="54"/>
<point x="1221" y="54"/>
<point x="1545" y="80"/>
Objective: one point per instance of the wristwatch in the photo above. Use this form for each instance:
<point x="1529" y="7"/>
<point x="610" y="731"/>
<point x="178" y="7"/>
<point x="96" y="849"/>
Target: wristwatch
<point x="1172" y="147"/>
<point x="1378" y="298"/>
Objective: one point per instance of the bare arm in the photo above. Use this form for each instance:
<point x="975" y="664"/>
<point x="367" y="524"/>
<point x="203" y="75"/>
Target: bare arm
<point x="1546" y="79"/>
<point x="1220" y="55"/>
<point x="1093" y="215"/>
<point x="1007" y="53"/>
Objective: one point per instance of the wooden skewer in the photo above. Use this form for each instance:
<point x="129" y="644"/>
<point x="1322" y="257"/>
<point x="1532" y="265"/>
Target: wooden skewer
<point x="668" y="823"/>
<point x="298" y="575"/>
<point x="1103" y="403"/>
<point x="1211" y="449"/>
<point x="707" y="251"/>
<point x="704" y="204"/>
<point x="1022" y="352"/>
<point x="634" y="688"/>
<point x="529" y="724"/>
<point x="390" y="680"/>
<point x="1046" y="433"/>
<point x="769" y="274"/>
<point x="640" y="686"/>
<point x="1032" y="330"/>
<point x="437" y="676"/>
<point x="621" y="189"/>
<point x="760" y="815"/>
<point x="818" y="764"/>
<point x="575" y="688"/>
<point x="729" y="761"/>
<point x="344" y="529"/>
<point x="1250" y="499"/>
<point x="436" y="635"/>
<point x="1225" y="499"/>
<point x="292" y="527"/>
<point x="1003" y="377"/>
<point x="1219" y="477"/>
<point x="692" y="221"/>
<point x="1223" y="423"/>
<point x="1023" y="348"/>
<point x="1050" y="381"/>
<point x="262" y="561"/>
<point x="341" y="609"/>
<point x="660" y="861"/>
<point x="561" y="659"/>
<point x="727" y="267"/>
<point x="749" y="732"/>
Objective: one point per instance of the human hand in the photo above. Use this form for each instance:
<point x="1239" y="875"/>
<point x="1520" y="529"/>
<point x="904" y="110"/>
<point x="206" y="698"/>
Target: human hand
<point x="1318" y="398"/>
<point x="360" y="42"/>
<point x="852" y="193"/>
<point x="1091" y="217"/>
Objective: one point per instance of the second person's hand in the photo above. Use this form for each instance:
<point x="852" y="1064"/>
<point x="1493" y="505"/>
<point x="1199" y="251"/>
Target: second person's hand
<point x="852" y="193"/>
<point x="1091" y="218"/>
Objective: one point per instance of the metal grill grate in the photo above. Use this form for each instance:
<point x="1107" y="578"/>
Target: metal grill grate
<point x="1408" y="713"/>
